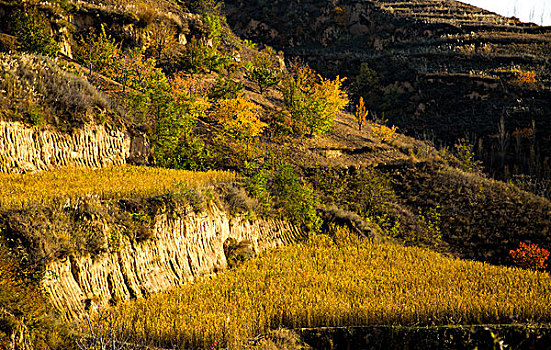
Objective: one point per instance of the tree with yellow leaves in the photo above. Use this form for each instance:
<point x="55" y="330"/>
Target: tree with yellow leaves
<point x="312" y="101"/>
<point x="240" y="118"/>
<point x="361" y="114"/>
<point x="241" y="126"/>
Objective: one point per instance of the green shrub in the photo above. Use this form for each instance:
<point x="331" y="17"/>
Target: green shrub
<point x="466" y="156"/>
<point x="429" y="223"/>
<point x="97" y="51"/>
<point x="200" y="58"/>
<point x="214" y="26"/>
<point x="296" y="199"/>
<point x="32" y="31"/>
<point x="225" y="88"/>
<point x="257" y="185"/>
<point x="366" y="192"/>
<point x="264" y="77"/>
<point x="35" y="115"/>
<point x="262" y="70"/>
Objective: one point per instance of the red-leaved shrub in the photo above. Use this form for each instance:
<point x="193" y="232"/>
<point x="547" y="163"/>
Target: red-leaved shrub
<point x="530" y="256"/>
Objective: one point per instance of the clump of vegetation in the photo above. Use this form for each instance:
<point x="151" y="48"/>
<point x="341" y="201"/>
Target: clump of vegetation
<point x="339" y="281"/>
<point x="26" y="319"/>
<point x="161" y="41"/>
<point x="312" y="101"/>
<point x="466" y="155"/>
<point x="97" y="51"/>
<point x="241" y="124"/>
<point x="201" y="58"/>
<point x="29" y="81"/>
<point x="384" y="133"/>
<point x="366" y="191"/>
<point x="530" y="256"/>
<point x="262" y="70"/>
<point x="430" y="223"/>
<point x="19" y="190"/>
<point x="296" y="199"/>
<point x="279" y="188"/>
<point x="33" y="33"/>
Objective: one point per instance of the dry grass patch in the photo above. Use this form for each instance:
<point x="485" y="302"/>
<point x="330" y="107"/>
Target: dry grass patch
<point x="337" y="282"/>
<point x="18" y="190"/>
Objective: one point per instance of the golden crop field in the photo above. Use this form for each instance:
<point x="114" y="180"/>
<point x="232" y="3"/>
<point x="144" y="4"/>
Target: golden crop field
<point x="345" y="282"/>
<point x="17" y="190"/>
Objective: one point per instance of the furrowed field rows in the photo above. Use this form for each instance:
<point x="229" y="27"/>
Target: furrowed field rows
<point x="337" y="282"/>
<point x="16" y="190"/>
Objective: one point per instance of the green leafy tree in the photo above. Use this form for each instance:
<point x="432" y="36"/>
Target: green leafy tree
<point x="262" y="70"/>
<point x="200" y="58"/>
<point x="296" y="199"/>
<point x="313" y="102"/>
<point x="33" y="33"/>
<point x="214" y="26"/>
<point x="98" y="51"/>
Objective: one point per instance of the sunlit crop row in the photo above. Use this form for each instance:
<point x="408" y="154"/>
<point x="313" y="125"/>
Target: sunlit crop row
<point x="323" y="283"/>
<point x="17" y="190"/>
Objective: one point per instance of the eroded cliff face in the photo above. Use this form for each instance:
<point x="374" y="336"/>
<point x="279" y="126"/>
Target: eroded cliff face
<point x="25" y="149"/>
<point x="183" y="248"/>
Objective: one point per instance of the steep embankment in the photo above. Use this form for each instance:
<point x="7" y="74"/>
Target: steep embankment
<point x="181" y="248"/>
<point x="53" y="117"/>
<point x="108" y="235"/>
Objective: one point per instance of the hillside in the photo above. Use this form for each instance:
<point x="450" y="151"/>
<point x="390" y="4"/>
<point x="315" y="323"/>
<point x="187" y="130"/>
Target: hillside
<point x="440" y="70"/>
<point x="149" y="145"/>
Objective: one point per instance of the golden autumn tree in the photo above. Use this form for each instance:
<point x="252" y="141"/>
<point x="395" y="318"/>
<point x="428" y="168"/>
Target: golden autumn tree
<point x="361" y="113"/>
<point x="312" y="101"/>
<point x="240" y="118"/>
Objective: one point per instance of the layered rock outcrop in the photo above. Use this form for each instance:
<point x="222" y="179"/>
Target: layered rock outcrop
<point x="182" y="249"/>
<point x="25" y="149"/>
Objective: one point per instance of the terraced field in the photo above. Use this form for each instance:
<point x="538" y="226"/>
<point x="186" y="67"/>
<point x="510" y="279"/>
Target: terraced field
<point x="339" y="281"/>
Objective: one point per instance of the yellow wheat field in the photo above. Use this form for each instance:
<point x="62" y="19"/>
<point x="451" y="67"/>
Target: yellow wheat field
<point x="323" y="283"/>
<point x="17" y="190"/>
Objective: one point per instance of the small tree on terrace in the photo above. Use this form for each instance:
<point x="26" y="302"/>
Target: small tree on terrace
<point x="98" y="51"/>
<point x="262" y="70"/>
<point x="312" y="101"/>
<point x="240" y="118"/>
<point x="361" y="114"/>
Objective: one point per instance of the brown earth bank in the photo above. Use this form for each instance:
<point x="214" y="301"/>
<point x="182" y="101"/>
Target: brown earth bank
<point x="89" y="253"/>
